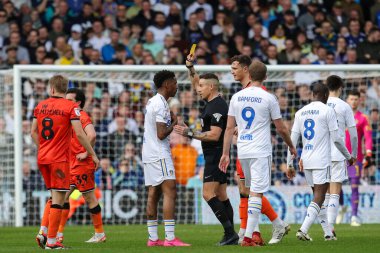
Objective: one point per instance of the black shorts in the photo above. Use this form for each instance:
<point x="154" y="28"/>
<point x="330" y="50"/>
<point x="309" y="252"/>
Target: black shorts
<point x="212" y="172"/>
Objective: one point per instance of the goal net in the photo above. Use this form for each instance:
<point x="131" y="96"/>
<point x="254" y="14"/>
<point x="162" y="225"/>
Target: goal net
<point x="116" y="98"/>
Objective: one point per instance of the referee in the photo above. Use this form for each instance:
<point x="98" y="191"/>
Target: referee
<point x="213" y="120"/>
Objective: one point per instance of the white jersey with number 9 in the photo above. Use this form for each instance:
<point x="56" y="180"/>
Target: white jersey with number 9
<point x="253" y="109"/>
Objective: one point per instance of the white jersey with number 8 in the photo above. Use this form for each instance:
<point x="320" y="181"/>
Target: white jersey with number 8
<point x="314" y="122"/>
<point x="253" y="109"/>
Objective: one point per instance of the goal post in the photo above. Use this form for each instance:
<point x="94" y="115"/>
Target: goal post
<point x="115" y="78"/>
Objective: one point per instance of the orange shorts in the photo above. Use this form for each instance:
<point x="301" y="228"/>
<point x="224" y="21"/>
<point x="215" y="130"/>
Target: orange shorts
<point x="56" y="175"/>
<point x="82" y="177"/>
<point x="239" y="170"/>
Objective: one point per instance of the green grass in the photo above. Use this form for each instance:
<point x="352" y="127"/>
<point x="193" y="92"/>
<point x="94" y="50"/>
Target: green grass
<point x="203" y="238"/>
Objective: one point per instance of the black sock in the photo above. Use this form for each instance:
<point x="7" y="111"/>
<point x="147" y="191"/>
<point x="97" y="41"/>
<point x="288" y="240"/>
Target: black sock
<point x="220" y="213"/>
<point x="229" y="210"/>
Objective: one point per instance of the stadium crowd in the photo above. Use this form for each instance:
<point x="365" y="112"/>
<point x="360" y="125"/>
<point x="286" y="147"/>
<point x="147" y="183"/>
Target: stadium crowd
<point x="144" y="32"/>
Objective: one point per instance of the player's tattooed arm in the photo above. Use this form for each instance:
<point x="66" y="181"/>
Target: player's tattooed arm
<point x="34" y="133"/>
<point x="163" y="130"/>
<point x="193" y="76"/>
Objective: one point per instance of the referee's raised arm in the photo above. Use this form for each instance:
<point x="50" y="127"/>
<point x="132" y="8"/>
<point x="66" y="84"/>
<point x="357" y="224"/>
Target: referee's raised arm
<point x="193" y="76"/>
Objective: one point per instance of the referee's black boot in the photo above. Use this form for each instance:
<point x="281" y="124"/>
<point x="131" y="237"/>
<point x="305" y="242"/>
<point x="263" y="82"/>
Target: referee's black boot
<point x="229" y="239"/>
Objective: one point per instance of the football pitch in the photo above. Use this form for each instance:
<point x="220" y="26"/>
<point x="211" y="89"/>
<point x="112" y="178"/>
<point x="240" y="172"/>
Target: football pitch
<point x="132" y="238"/>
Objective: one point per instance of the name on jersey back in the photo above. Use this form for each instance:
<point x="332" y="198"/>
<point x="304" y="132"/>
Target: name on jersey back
<point x="249" y="99"/>
<point x="57" y="112"/>
<point x="310" y="112"/>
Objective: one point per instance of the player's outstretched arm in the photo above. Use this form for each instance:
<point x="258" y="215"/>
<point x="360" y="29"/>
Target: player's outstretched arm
<point x="34" y="133"/>
<point x="284" y="133"/>
<point x="163" y="130"/>
<point x="212" y="135"/>
<point x="81" y="135"/>
<point x="228" y="134"/>
<point x="193" y="76"/>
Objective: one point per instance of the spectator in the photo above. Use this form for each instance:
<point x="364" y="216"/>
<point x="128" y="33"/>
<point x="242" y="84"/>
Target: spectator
<point x="109" y="24"/>
<point x="271" y="55"/>
<point x="87" y="17"/>
<point x="43" y="38"/>
<point x="286" y="56"/>
<point x="121" y="14"/>
<point x="103" y="176"/>
<point x="95" y="58"/>
<point x="111" y="8"/>
<point x="306" y="21"/>
<point x="98" y="40"/>
<point x="76" y="39"/>
<point x="341" y="51"/>
<point x="128" y="176"/>
<point x="179" y="40"/>
<point x="337" y="18"/>
<point x="151" y="44"/>
<point x="159" y="29"/>
<point x="31" y="179"/>
<point x="321" y="54"/>
<point x="350" y="5"/>
<point x="146" y="15"/>
<point x="22" y="55"/>
<point x="193" y="33"/>
<point x="355" y="36"/>
<point x="60" y="46"/>
<point x="278" y="39"/>
<point x="163" y="56"/>
<point x="39" y="56"/>
<point x="352" y="57"/>
<point x="134" y="9"/>
<point x="375" y="13"/>
<point x="138" y="53"/>
<point x="327" y="37"/>
<point x="184" y="159"/>
<point x="4" y="26"/>
<point x="204" y="25"/>
<point x="165" y="5"/>
<point x="200" y="4"/>
<point x="330" y="58"/>
<point x="175" y="15"/>
<point x="57" y="29"/>
<point x="68" y="58"/>
<point x="109" y="50"/>
<point x="369" y="50"/>
<point x="32" y="44"/>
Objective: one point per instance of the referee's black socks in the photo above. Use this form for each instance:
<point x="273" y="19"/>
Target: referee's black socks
<point x="219" y="210"/>
<point x="229" y="210"/>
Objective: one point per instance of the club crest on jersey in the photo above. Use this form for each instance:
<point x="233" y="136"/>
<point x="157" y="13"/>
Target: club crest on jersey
<point x="77" y="112"/>
<point x="217" y="116"/>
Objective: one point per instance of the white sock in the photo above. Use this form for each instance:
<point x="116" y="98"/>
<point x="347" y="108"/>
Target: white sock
<point x="254" y="210"/>
<point x="256" y="229"/>
<point x="100" y="234"/>
<point x="278" y="222"/>
<point x="59" y="234"/>
<point x="43" y="229"/>
<point x="51" y="241"/>
<point x="169" y="229"/>
<point x="333" y="208"/>
<point x="241" y="232"/>
<point x="322" y="217"/>
<point x="311" y="215"/>
<point x="152" y="229"/>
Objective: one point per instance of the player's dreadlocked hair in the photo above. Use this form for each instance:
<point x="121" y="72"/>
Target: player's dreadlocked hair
<point x="161" y="76"/>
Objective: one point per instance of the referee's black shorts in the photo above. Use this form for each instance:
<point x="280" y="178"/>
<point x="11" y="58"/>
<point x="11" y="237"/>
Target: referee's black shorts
<point x="212" y="172"/>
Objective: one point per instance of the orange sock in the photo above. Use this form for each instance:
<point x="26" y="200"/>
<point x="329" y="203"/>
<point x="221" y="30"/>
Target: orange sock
<point x="267" y="209"/>
<point x="243" y="211"/>
<point x="54" y="219"/>
<point x="96" y="216"/>
<point x="45" y="217"/>
<point x="64" y="217"/>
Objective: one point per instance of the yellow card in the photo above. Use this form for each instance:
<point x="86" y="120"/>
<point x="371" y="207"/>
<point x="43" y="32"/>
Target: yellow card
<point x="192" y="50"/>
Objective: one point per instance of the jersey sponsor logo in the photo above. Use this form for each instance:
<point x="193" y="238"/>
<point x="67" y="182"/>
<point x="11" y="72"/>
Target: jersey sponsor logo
<point x="332" y="105"/>
<point x="246" y="137"/>
<point x="217" y="116"/>
<point x="309" y="147"/>
<point x="77" y="111"/>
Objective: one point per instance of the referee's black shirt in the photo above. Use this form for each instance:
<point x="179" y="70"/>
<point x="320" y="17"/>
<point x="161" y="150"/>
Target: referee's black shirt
<point x="214" y="114"/>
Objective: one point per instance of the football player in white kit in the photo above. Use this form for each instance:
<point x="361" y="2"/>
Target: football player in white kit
<point x="346" y="120"/>
<point x="252" y="109"/>
<point x="317" y="124"/>
<point x="158" y="165"/>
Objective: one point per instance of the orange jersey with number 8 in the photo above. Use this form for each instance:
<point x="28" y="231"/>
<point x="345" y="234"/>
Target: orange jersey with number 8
<point x="54" y="116"/>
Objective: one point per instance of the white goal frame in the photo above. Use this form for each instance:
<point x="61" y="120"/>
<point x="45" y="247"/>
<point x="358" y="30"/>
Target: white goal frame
<point x="17" y="90"/>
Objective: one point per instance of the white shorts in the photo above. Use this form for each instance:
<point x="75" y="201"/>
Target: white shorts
<point x="339" y="172"/>
<point x="257" y="172"/>
<point x="157" y="172"/>
<point x="317" y="176"/>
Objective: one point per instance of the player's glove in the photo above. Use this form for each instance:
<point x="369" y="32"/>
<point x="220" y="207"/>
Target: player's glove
<point x="367" y="161"/>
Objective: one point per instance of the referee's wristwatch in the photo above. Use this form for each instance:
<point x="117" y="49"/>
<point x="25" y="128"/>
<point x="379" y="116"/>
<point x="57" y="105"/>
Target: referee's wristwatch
<point x="190" y="133"/>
